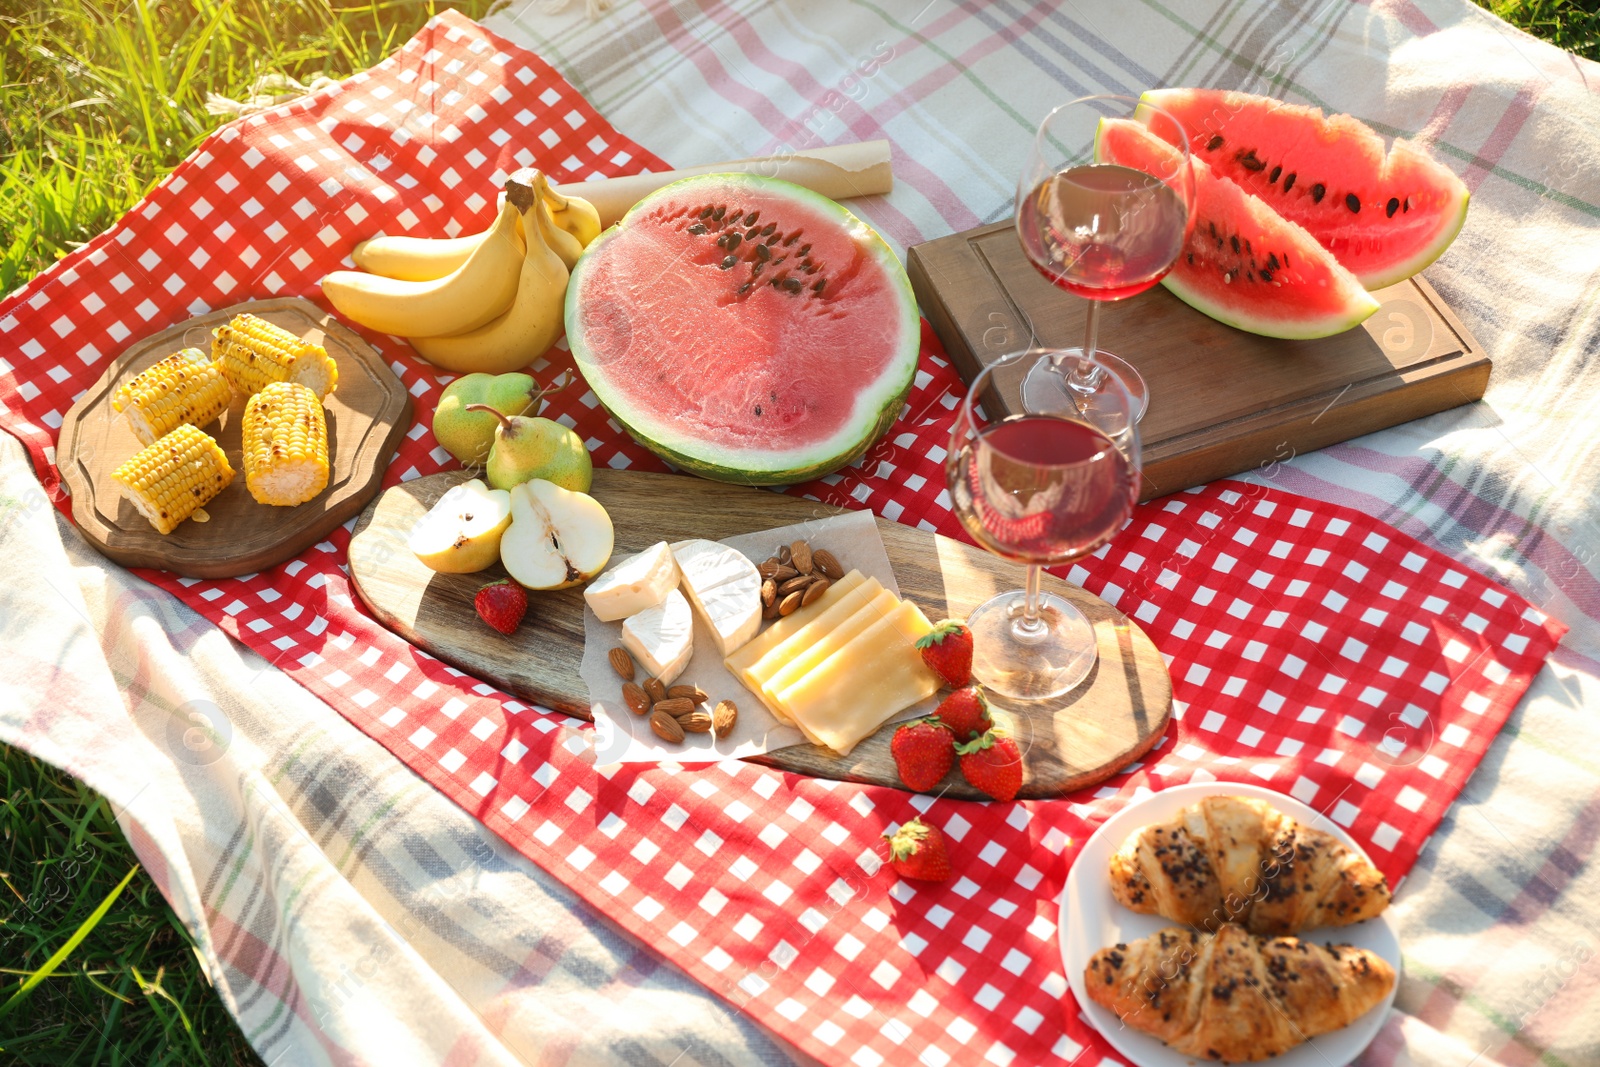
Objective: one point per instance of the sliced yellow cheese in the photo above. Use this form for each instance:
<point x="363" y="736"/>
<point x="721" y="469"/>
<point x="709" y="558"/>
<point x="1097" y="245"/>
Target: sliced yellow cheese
<point x="881" y="604"/>
<point x="854" y="691"/>
<point x="752" y="650"/>
<point x="812" y="632"/>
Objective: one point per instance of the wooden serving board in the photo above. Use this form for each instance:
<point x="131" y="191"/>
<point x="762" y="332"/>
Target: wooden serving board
<point x="1221" y="400"/>
<point x="1079" y="740"/>
<point x="367" y="413"/>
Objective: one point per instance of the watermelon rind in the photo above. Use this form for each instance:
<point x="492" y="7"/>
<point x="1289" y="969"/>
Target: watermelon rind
<point x="877" y="404"/>
<point x="1451" y="213"/>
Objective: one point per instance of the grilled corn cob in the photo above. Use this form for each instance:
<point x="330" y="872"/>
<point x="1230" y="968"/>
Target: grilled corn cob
<point x="185" y="387"/>
<point x="253" y="353"/>
<point x="285" y="444"/>
<point x="173" y="478"/>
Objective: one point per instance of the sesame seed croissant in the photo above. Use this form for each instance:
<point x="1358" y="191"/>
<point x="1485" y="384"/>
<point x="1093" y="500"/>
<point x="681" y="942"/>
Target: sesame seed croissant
<point x="1241" y="860"/>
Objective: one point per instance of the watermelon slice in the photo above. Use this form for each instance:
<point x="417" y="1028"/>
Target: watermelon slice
<point x="1384" y="213"/>
<point x="1244" y="264"/>
<point x="745" y="329"/>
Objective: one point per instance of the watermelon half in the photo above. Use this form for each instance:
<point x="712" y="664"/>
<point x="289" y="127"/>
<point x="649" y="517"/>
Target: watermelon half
<point x="1244" y="264"/>
<point x="1385" y="213"/>
<point x="745" y="329"/>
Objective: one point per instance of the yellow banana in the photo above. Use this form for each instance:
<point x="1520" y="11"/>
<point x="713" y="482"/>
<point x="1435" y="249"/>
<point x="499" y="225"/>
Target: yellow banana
<point x="573" y="214"/>
<point x="535" y="317"/>
<point x="416" y="259"/>
<point x="480" y="289"/>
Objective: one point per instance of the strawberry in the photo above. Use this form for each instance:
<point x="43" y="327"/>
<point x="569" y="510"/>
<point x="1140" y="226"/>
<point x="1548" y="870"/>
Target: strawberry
<point x="501" y="604"/>
<point x="917" y="850"/>
<point x="992" y="763"/>
<point x="923" y="753"/>
<point x="965" y="712"/>
<point x="947" y="650"/>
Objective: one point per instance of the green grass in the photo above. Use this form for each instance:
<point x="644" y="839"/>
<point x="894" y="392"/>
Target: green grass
<point x="96" y="104"/>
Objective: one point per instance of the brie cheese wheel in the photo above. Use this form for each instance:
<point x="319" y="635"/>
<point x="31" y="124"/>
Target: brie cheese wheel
<point x="661" y="638"/>
<point x="724" y="587"/>
<point x="638" y="582"/>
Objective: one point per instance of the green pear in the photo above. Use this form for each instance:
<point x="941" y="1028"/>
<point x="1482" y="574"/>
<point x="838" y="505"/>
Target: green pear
<point x="467" y="435"/>
<point x="528" y="447"/>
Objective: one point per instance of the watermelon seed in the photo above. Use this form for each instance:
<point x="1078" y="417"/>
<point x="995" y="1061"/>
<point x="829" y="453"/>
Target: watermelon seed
<point x="733" y="241"/>
<point x="1273" y="177"/>
<point x="698" y="230"/>
<point x="817" y="288"/>
<point x="1288" y="183"/>
<point x="1215" y="142"/>
<point x="1191" y="259"/>
<point x="1249" y="161"/>
<point x="1234" y="240"/>
<point x="1266" y="275"/>
<point x="757" y="269"/>
<point x="729" y="262"/>
<point x="792" y="284"/>
<point x="1272" y="261"/>
<point x="791" y="239"/>
<point x="768" y="228"/>
<point x="734" y="217"/>
<point x="763" y="252"/>
<point x="758" y="411"/>
<point x="750" y="219"/>
<point x="773" y="239"/>
<point x="745" y="288"/>
<point x="1227" y="279"/>
<point x="705" y="212"/>
<point x="717" y="214"/>
<point x="1394" y="205"/>
<point x="1353" y="202"/>
<point x="806" y="249"/>
<point x="1318" y="191"/>
<point x="1406" y="206"/>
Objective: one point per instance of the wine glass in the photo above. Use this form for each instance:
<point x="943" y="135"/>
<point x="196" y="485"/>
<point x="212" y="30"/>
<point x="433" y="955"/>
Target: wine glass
<point x="1047" y="486"/>
<point x="1105" y="231"/>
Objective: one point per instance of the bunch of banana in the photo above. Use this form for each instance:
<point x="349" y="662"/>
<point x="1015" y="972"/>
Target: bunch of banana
<point x="491" y="302"/>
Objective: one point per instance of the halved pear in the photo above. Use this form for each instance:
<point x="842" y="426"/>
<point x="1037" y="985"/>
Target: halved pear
<point x="462" y="532"/>
<point x="558" y="537"/>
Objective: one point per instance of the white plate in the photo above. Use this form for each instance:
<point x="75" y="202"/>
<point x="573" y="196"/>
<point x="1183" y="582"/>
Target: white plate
<point x="1091" y="919"/>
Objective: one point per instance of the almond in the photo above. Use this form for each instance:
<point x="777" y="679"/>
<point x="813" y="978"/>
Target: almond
<point x="769" y="593"/>
<point x="696" y="722"/>
<point x="783" y="574"/>
<point x="790" y="603"/>
<point x="783" y="555"/>
<point x="771" y="610"/>
<point x="800" y="557"/>
<point x="827" y="563"/>
<point x="724" y="718"/>
<point x="657" y="691"/>
<point x="769" y="568"/>
<point x="622" y="663"/>
<point x="677" y="707"/>
<point x="666" y="727"/>
<point x="637" y="699"/>
<point x="687" y="692"/>
<point x="793" y="584"/>
<point x="813" y="591"/>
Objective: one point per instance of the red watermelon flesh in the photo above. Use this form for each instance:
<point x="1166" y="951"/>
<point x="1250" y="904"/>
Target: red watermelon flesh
<point x="745" y="329"/>
<point x="1244" y="264"/>
<point x="1384" y="212"/>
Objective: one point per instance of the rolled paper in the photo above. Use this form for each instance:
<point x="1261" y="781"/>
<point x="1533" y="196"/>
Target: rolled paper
<point x="836" y="171"/>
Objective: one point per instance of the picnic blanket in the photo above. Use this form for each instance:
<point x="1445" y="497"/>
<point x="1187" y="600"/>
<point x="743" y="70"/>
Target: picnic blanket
<point x="293" y="1013"/>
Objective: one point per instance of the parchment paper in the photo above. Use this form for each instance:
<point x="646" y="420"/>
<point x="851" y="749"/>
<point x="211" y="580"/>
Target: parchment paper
<point x="836" y="171"/>
<point x="622" y="737"/>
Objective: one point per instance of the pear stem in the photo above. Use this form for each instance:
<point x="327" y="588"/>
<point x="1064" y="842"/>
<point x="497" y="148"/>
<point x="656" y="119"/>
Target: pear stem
<point x="505" y="423"/>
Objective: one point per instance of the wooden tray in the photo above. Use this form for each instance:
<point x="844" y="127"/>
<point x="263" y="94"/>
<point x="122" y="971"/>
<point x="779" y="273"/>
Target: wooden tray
<point x="367" y="414"/>
<point x="1095" y="731"/>
<point x="1221" y="400"/>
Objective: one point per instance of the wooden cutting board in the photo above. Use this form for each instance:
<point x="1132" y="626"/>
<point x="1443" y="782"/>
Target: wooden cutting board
<point x="1079" y="740"/>
<point x="1221" y="400"/>
<point x="367" y="413"/>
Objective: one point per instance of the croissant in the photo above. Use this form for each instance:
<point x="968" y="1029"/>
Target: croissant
<point x="1234" y="996"/>
<point x="1236" y="859"/>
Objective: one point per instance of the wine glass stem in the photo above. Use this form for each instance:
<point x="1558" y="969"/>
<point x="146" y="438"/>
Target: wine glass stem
<point x="1030" y="625"/>
<point x="1084" y="376"/>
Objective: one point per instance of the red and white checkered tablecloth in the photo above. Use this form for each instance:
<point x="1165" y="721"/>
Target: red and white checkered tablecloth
<point x="1312" y="648"/>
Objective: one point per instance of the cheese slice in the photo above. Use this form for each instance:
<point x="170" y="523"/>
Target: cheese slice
<point x="784" y="628"/>
<point x="881" y="604"/>
<point x="661" y="638"/>
<point x="854" y="691"/>
<point x="812" y="632"/>
<point x="724" y="587"/>
<point x="638" y="582"/>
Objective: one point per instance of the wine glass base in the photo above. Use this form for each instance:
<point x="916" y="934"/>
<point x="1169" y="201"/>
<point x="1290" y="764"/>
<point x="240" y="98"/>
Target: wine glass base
<point x="1045" y="390"/>
<point x="1045" y="662"/>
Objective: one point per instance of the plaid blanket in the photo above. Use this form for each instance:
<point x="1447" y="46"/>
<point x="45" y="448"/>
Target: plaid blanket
<point x="352" y="914"/>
